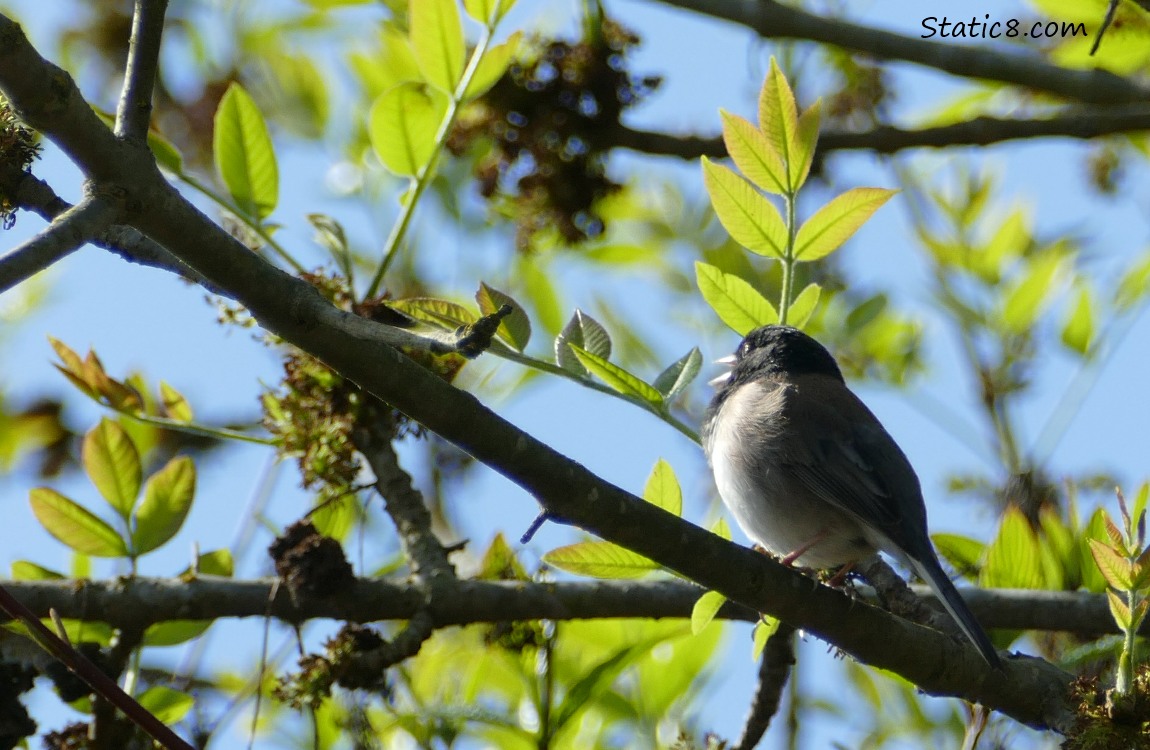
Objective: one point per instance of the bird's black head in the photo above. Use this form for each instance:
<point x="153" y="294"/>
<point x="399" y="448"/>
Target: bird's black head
<point x="781" y="350"/>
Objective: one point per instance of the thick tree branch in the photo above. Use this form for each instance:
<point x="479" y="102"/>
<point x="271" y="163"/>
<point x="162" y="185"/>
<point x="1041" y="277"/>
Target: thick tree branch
<point x="1029" y="690"/>
<point x="33" y="194"/>
<point x="772" y="20"/>
<point x="980" y="131"/>
<point x="134" y="111"/>
<point x="137" y="603"/>
<point x="67" y="234"/>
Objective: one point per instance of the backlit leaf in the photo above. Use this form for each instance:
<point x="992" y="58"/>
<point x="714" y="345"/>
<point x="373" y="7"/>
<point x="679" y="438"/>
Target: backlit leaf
<point x="74" y="525"/>
<point x="515" y="329"/>
<point x="705" y="609"/>
<point x="113" y="464"/>
<point x="803" y="306"/>
<point x="751" y="220"/>
<point x="735" y="301"/>
<point x="437" y="39"/>
<point x="600" y="560"/>
<point x="581" y="330"/>
<point x="834" y="223"/>
<point x="753" y="154"/>
<point x="492" y="67"/>
<point x="778" y="114"/>
<point x="167" y="498"/>
<point x="245" y="158"/>
<point x="175" y="405"/>
<point x="618" y="378"/>
<point x="674" y="380"/>
<point x="402" y="125"/>
<point x="662" y="489"/>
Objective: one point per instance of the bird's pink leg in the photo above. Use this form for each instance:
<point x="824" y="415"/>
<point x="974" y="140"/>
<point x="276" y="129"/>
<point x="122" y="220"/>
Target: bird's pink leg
<point x="790" y="558"/>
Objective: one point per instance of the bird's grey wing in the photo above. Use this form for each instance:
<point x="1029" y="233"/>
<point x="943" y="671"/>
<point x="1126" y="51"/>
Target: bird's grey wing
<point x="840" y="452"/>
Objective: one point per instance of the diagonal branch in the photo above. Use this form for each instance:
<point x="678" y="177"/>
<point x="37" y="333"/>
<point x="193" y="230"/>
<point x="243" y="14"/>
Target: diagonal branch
<point x="980" y="131"/>
<point x="134" y="111"/>
<point x="65" y="235"/>
<point x="772" y="20"/>
<point x="774" y="670"/>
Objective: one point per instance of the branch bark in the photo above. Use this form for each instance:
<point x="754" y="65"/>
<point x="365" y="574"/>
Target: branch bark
<point x="134" y="111"/>
<point x="772" y="20"/>
<point x="64" y="236"/>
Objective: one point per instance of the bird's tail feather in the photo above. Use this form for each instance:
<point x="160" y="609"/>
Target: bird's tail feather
<point x="933" y="574"/>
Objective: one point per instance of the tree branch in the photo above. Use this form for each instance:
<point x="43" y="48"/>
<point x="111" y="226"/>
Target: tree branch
<point x="65" y="235"/>
<point x="772" y="20"/>
<point x="134" y="111"/>
<point x="774" y="670"/>
<point x="980" y="131"/>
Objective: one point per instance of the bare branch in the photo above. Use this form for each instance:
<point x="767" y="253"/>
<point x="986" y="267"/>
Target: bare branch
<point x="772" y="20"/>
<point x="774" y="670"/>
<point x="67" y="234"/>
<point x="134" y="112"/>
<point x="33" y="194"/>
<point x="980" y="131"/>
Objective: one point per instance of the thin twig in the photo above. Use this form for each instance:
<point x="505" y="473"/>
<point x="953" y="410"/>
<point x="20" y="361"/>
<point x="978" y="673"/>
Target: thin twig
<point x="103" y="685"/>
<point x="774" y="670"/>
<point x="67" y="234"/>
<point x="134" y="111"/>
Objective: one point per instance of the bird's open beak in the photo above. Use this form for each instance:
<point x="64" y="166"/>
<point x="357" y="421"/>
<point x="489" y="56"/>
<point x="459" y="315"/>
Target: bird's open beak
<point x="727" y="362"/>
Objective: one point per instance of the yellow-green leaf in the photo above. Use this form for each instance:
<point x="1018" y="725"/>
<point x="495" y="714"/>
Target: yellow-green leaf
<point x="175" y="405"/>
<point x="720" y="529"/>
<point x="25" y="570"/>
<point x="834" y="223"/>
<point x="487" y="11"/>
<point x="735" y="301"/>
<point x="167" y="498"/>
<point x="168" y="705"/>
<point x="806" y="141"/>
<point x="600" y="560"/>
<point x="1013" y="559"/>
<point x="753" y="154"/>
<point x="803" y="306"/>
<point x="113" y="464"/>
<point x="244" y="155"/>
<point x="402" y="125"/>
<point x="750" y="219"/>
<point x="1029" y="296"/>
<point x="492" y="67"/>
<point x="705" y="609"/>
<point x="1116" y="569"/>
<point x="1078" y="331"/>
<point x="1119" y="611"/>
<point x="438" y="311"/>
<point x="74" y="525"/>
<point x="515" y="329"/>
<point x="672" y="381"/>
<point x="764" y="629"/>
<point x="778" y="115"/>
<point x="437" y="39"/>
<point x="662" y="489"/>
<point x="617" y="377"/>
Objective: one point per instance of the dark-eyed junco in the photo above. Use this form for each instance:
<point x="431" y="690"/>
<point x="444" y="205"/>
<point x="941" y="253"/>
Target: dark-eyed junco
<point x="809" y="472"/>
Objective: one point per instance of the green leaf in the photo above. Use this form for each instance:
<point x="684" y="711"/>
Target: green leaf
<point x="437" y="40"/>
<point x="167" y="497"/>
<point x="215" y="563"/>
<point x="705" y="609"/>
<point x="1059" y="539"/>
<point x="618" y="378"/>
<point x="596" y="681"/>
<point x="113" y="464"/>
<point x="963" y="553"/>
<point x="175" y="405"/>
<point x="1078" y="331"/>
<point x="675" y="379"/>
<point x="1116" y="569"/>
<point x="803" y="306"/>
<point x="166" y="704"/>
<point x="753" y="154"/>
<point x="492" y="66"/>
<point x="1030" y="294"/>
<point x="402" y="125"/>
<point x="600" y="560"/>
<point x="778" y="115"/>
<point x="806" y="141"/>
<point x="515" y="329"/>
<point x="1134" y="285"/>
<point x="487" y="11"/>
<point x="764" y="629"/>
<point x="74" y="525"/>
<point x="662" y="489"/>
<point x="167" y="155"/>
<point x="834" y="223"/>
<point x="438" y="311"/>
<point x="735" y="301"/>
<point x="1119" y="611"/>
<point x="581" y="330"/>
<point x="1013" y="559"/>
<point x="175" y="632"/>
<point x="720" y="529"/>
<point x="244" y="155"/>
<point x="24" y="570"/>
<point x="750" y="219"/>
